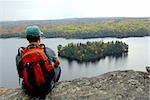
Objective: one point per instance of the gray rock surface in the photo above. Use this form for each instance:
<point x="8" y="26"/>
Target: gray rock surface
<point x="116" y="85"/>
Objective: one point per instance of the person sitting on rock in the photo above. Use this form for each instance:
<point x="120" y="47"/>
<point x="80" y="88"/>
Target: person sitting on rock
<point x="36" y="64"/>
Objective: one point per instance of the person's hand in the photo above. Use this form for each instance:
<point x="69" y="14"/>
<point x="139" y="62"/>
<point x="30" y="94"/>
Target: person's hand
<point x="56" y="63"/>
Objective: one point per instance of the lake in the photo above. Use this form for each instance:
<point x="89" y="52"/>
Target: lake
<point x="138" y="57"/>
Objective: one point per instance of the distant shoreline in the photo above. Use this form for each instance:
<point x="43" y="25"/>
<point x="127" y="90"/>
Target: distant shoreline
<point x="81" y="28"/>
<point x="7" y="37"/>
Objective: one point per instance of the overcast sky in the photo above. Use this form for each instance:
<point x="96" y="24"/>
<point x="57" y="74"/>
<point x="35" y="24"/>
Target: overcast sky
<point x="59" y="9"/>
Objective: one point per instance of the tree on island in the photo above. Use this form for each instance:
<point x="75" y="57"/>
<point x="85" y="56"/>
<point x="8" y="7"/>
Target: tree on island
<point x="92" y="50"/>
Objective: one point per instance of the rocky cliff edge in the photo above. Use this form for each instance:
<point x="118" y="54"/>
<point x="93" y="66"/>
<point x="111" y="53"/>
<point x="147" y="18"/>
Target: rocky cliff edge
<point x="116" y="85"/>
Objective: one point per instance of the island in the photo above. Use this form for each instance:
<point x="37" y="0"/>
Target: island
<point x="92" y="51"/>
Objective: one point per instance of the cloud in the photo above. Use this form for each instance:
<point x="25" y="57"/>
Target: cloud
<point x="57" y="9"/>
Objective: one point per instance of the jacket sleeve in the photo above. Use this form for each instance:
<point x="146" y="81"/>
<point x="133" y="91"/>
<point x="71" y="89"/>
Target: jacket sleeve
<point x="52" y="56"/>
<point x="19" y="63"/>
<point x="18" y="57"/>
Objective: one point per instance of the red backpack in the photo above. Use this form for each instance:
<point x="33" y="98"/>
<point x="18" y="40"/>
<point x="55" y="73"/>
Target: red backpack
<point x="37" y="69"/>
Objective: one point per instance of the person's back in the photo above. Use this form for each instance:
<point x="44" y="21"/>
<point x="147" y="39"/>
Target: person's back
<point x="37" y="65"/>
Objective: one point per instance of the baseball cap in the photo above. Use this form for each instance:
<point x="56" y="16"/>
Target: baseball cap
<point x="33" y="30"/>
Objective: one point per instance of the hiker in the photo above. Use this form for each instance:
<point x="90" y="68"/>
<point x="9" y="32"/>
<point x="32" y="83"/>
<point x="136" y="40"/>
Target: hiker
<point x="37" y="65"/>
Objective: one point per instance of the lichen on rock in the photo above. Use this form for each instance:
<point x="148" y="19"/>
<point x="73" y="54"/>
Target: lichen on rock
<point x="116" y="85"/>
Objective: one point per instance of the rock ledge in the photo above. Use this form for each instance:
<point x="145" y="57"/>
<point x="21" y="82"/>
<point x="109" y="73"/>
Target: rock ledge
<point x="116" y="85"/>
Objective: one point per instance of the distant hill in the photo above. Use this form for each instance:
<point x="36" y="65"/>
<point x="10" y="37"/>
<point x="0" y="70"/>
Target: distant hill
<point x="80" y="27"/>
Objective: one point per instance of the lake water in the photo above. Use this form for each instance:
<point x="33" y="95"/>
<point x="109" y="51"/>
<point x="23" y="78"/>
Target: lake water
<point x="138" y="57"/>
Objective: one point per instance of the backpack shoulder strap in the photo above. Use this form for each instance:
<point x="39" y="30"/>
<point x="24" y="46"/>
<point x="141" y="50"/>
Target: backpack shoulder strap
<point x="20" y="50"/>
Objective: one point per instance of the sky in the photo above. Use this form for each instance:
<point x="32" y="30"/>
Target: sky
<point x="12" y="10"/>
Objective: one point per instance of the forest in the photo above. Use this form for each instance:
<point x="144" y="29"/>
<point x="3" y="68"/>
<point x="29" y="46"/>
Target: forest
<point x="92" y="51"/>
<point x="81" y="28"/>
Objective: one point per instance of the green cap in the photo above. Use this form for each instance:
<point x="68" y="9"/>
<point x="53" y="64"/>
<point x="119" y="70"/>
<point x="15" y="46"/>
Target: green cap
<point x="33" y="31"/>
